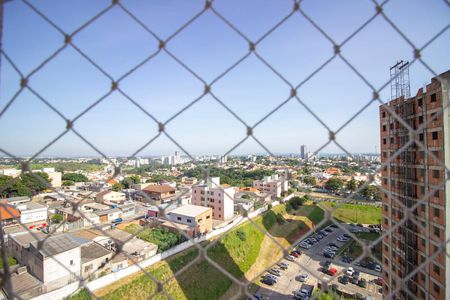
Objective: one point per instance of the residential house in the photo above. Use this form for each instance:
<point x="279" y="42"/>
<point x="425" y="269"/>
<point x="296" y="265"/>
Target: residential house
<point x="8" y="214"/>
<point x="111" y="197"/>
<point x="272" y="185"/>
<point x="198" y="217"/>
<point x="32" y="212"/>
<point x="159" y="192"/>
<point x="94" y="259"/>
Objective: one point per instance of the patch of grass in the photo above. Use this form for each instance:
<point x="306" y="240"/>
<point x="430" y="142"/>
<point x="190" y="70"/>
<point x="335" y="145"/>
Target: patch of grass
<point x="356" y="213"/>
<point x="162" y="237"/>
<point x="81" y="295"/>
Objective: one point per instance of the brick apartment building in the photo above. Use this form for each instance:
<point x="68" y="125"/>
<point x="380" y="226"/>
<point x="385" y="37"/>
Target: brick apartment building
<point x="410" y="177"/>
<point x="219" y="197"/>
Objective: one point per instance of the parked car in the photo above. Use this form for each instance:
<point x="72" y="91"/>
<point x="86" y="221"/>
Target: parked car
<point x="333" y="245"/>
<point x="272" y="277"/>
<point x="333" y="225"/>
<point x="328" y="229"/>
<point x="349" y="271"/>
<point x="328" y="255"/>
<point x="377" y="268"/>
<point x="327" y="263"/>
<point x="290" y="258"/>
<point x="355" y="280"/>
<point x="275" y="272"/>
<point x="303" y="277"/>
<point x="268" y="281"/>
<point x="282" y="265"/>
<point x="343" y="279"/>
<point x="295" y="254"/>
<point x="332" y="271"/>
<point x="356" y="274"/>
<point x="362" y="283"/>
<point x="379" y="281"/>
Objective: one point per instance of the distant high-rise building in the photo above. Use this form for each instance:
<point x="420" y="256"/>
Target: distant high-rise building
<point x="412" y="175"/>
<point x="303" y="152"/>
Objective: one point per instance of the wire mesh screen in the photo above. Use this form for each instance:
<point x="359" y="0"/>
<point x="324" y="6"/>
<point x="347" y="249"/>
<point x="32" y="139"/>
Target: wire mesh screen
<point x="406" y="209"/>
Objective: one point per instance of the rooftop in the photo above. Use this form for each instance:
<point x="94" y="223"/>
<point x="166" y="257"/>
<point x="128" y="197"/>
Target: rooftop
<point x="57" y="244"/>
<point x="190" y="210"/>
<point x="30" y="206"/>
<point x="159" y="189"/>
<point x="27" y="237"/>
<point x="93" y="251"/>
<point x="8" y="211"/>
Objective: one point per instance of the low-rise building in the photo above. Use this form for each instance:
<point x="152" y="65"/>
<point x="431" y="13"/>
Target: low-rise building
<point x="57" y="261"/>
<point x="32" y="212"/>
<point x="18" y="200"/>
<point x="219" y="198"/>
<point x="94" y="259"/>
<point x="198" y="217"/>
<point x="19" y="243"/>
<point x="272" y="185"/>
<point x="109" y="215"/>
<point x="159" y="192"/>
<point x="8" y="214"/>
<point x="111" y="197"/>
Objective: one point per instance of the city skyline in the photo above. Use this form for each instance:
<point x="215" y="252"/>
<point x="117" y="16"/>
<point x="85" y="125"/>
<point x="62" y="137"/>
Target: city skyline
<point x="163" y="87"/>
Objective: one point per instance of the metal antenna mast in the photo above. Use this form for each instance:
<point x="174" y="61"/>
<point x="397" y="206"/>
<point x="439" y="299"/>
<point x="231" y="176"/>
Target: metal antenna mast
<point x="400" y="80"/>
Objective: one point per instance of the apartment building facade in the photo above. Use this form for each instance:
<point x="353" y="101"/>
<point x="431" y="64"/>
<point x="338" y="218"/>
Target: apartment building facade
<point x="412" y="173"/>
<point x="273" y="185"/>
<point x="219" y="198"/>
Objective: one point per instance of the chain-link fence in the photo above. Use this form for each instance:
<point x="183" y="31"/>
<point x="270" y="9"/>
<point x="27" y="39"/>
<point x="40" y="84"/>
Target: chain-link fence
<point x="47" y="247"/>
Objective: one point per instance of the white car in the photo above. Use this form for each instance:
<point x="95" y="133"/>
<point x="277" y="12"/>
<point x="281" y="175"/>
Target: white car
<point x="290" y="258"/>
<point x="378" y="268"/>
<point x="350" y="271"/>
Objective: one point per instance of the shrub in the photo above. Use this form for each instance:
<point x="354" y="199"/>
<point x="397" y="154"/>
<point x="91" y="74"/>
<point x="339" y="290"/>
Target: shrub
<point x="241" y="235"/>
<point x="280" y="219"/>
<point x="269" y="206"/>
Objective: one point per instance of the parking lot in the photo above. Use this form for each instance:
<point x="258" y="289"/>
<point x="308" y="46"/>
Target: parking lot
<point x="311" y="263"/>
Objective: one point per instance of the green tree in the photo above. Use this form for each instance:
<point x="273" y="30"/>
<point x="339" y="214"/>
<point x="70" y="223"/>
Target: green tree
<point x="117" y="187"/>
<point x="127" y="182"/>
<point x="371" y="192"/>
<point x="75" y="177"/>
<point x="57" y="218"/>
<point x="309" y="180"/>
<point x="352" y="185"/>
<point x="334" y="184"/>
<point x="67" y="183"/>
<point x="13" y="187"/>
<point x="36" y="182"/>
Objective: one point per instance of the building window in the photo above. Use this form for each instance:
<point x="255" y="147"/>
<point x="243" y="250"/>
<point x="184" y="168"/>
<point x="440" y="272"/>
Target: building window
<point x="436" y="288"/>
<point x="386" y="208"/>
<point x="179" y="218"/>
<point x="420" y="119"/>
<point x="384" y="154"/>
<point x="220" y="216"/>
<point x="436" y="174"/>
<point x="437" y="231"/>
<point x="384" y="141"/>
<point x="71" y="262"/>
<point x="386" y="222"/>
<point x="189" y="220"/>
<point x="436" y="194"/>
<point x="434" y="116"/>
<point x="434" y="135"/>
<point x="433" y="98"/>
<point x="392" y="140"/>
<point x="423" y="242"/>
<point x="419" y="102"/>
<point x="422" y="276"/>
<point x="383" y="114"/>
<point x="220" y="208"/>
<point x="421" y="137"/>
<point x="384" y="127"/>
<point x="422" y="206"/>
<point x="207" y="217"/>
<point x="436" y="269"/>
<point x="436" y="212"/>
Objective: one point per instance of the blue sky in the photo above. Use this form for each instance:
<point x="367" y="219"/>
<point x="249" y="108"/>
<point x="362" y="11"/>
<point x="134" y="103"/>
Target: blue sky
<point x="208" y="47"/>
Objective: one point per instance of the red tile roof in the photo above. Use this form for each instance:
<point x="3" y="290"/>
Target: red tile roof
<point x="8" y="211"/>
<point x="154" y="188"/>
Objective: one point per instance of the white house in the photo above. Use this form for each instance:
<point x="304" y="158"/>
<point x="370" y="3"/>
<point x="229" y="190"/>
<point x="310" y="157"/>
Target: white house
<point x="272" y="185"/>
<point x="111" y="197"/>
<point x="32" y="212"/>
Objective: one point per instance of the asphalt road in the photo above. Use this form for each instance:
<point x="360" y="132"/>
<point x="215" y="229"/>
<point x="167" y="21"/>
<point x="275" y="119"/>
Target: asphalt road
<point x="310" y="264"/>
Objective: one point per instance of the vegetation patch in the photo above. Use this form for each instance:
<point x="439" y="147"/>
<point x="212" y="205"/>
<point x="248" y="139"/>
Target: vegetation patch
<point x="162" y="237"/>
<point x="355" y="213"/>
